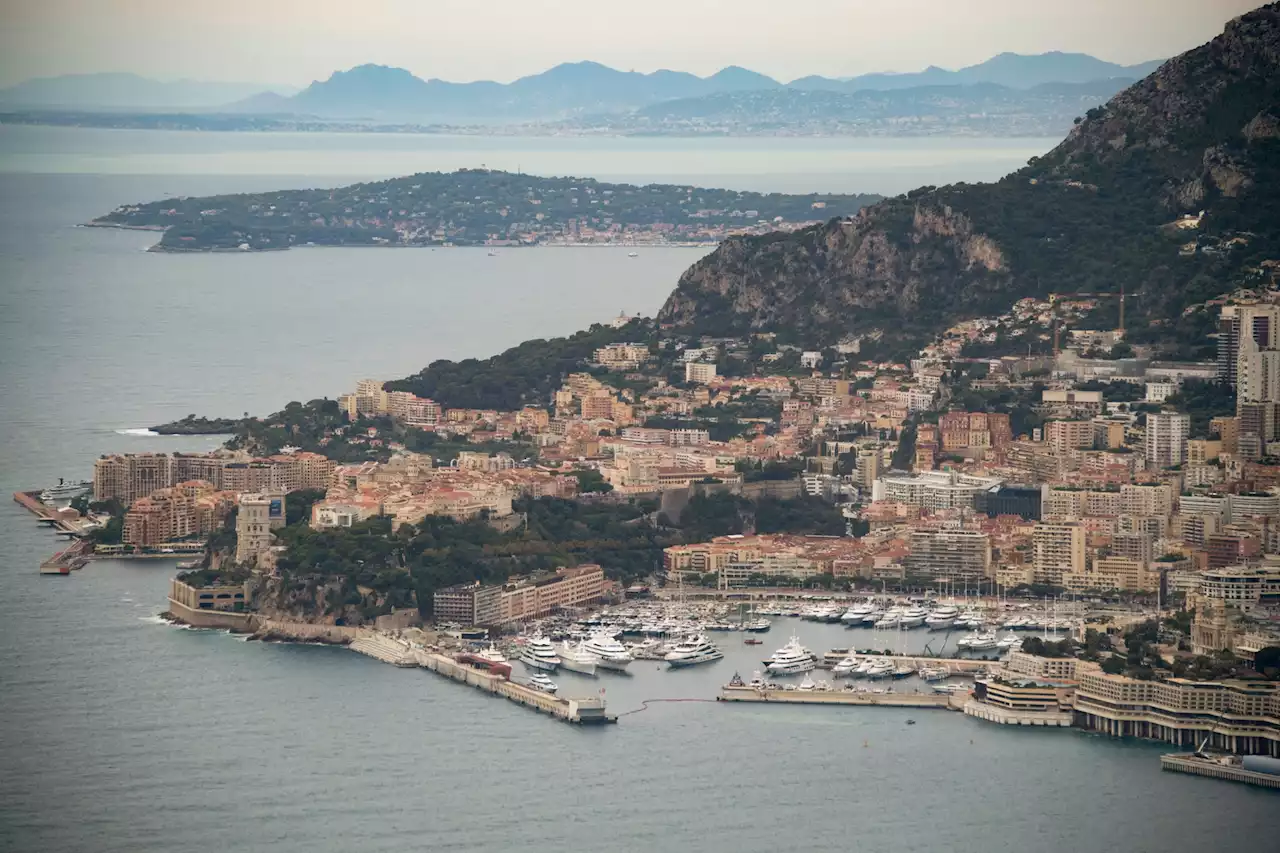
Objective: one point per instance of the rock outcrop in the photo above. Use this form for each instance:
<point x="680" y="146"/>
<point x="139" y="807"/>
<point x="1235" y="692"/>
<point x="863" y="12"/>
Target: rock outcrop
<point x="1199" y="133"/>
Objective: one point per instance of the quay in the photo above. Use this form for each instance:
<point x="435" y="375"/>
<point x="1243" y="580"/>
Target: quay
<point x="835" y="697"/>
<point x="958" y="666"/>
<point x="580" y="711"/>
<point x="1227" y="767"/>
<point x="48" y="515"/>
<point x="68" y="561"/>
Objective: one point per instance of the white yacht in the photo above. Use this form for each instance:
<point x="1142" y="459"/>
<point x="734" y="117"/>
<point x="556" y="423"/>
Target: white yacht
<point x="609" y="653"/>
<point x="692" y="651"/>
<point x="913" y="617"/>
<point x="935" y="673"/>
<point x="857" y="614"/>
<point x="577" y="659"/>
<point x="845" y="668"/>
<point x="873" y="617"/>
<point x="807" y="684"/>
<point x="978" y="642"/>
<point x="890" y="619"/>
<point x="1008" y="641"/>
<point x="880" y="669"/>
<point x="65" y="491"/>
<point x="539" y="654"/>
<point x="791" y="659"/>
<point x="540" y="682"/>
<point x="941" y="618"/>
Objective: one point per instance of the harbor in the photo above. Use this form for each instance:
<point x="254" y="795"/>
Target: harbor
<point x="744" y="693"/>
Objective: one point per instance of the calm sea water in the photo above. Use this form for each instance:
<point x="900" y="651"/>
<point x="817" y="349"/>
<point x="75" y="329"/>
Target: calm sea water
<point x="118" y="733"/>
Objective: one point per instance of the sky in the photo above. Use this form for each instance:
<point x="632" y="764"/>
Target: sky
<point x="296" y="41"/>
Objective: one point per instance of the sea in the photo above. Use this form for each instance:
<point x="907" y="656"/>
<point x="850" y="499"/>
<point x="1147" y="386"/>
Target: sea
<point x="119" y="732"/>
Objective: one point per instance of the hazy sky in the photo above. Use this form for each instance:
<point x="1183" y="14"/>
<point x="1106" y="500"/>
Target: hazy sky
<point x="296" y="41"/>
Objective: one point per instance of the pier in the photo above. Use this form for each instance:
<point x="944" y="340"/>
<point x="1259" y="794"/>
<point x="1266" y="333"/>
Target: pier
<point x="1228" y="768"/>
<point x="581" y="711"/>
<point x="835" y="697"/>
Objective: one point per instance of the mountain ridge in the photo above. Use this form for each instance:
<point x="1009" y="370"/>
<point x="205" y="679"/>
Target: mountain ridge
<point x="1095" y="213"/>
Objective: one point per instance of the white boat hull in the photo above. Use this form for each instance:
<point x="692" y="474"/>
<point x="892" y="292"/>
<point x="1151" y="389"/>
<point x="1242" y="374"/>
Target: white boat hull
<point x="614" y="665"/>
<point x="584" y="667"/>
<point x="536" y="663"/>
<point x="678" y="662"/>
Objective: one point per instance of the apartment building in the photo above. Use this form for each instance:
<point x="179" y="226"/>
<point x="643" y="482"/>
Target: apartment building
<point x="949" y="555"/>
<point x="520" y="599"/>
<point x="621" y="356"/>
<point x="933" y="490"/>
<point x="1236" y="716"/>
<point x="1166" y="439"/>
<point x="1065" y="436"/>
<point x="1058" y="550"/>
<point x="131" y="476"/>
<point x="701" y="373"/>
<point x="1113" y="574"/>
<point x="189" y="509"/>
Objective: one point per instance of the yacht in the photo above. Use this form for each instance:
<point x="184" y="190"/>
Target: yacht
<point x="540" y="682"/>
<point x="756" y="626"/>
<point x="807" y="684"/>
<point x="889" y="620"/>
<point x="609" y="653"/>
<point x="978" y="642"/>
<point x="65" y="491"/>
<point x="935" y="673"/>
<point x="577" y="659"/>
<point x="1008" y="641"/>
<point x="791" y="659"/>
<point x="903" y="670"/>
<point x="880" y="669"/>
<point x="492" y="655"/>
<point x="633" y="254"/>
<point x="692" y="651"/>
<point x="846" y="667"/>
<point x="857" y="614"/>
<point x="873" y="617"/>
<point x="539" y="654"/>
<point x="913" y="617"/>
<point x="941" y="618"/>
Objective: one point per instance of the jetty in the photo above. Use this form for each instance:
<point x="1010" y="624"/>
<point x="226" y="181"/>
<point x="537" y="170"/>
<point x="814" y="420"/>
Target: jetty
<point x="1228" y="767"/>
<point x="495" y="679"/>
<point x="731" y="693"/>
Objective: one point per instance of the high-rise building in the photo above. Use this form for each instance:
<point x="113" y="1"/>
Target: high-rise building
<point x="1058" y="549"/>
<point x="1238" y="323"/>
<point x="1166" y="443"/>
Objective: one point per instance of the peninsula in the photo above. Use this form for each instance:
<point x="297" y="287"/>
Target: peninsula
<point x="475" y="207"/>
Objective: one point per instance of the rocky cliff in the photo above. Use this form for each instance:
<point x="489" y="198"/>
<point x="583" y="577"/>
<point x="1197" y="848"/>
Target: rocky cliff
<point x="1093" y="214"/>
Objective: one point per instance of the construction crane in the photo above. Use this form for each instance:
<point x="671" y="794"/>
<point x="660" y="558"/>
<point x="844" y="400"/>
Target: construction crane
<point x="1054" y="298"/>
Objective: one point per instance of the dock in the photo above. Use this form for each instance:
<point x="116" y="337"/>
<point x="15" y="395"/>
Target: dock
<point x="835" y="697"/>
<point x="68" y="561"/>
<point x="1226" y="767"/>
<point x="580" y="711"/>
<point x="583" y="711"/>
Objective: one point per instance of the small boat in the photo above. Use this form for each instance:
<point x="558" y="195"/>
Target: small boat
<point x="493" y="254"/>
<point x="633" y="254"/>
<point x="845" y="668"/>
<point x="911" y="722"/>
<point x="540" y="681"/>
<point x="807" y="684"/>
<point x="753" y="641"/>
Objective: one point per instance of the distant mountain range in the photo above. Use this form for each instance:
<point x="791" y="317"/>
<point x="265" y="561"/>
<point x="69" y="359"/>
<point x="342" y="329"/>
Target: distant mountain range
<point x="127" y="91"/>
<point x="382" y="93"/>
<point x="986" y="109"/>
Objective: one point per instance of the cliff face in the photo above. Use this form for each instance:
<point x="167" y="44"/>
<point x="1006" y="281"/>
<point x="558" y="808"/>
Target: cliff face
<point x="1200" y="133"/>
